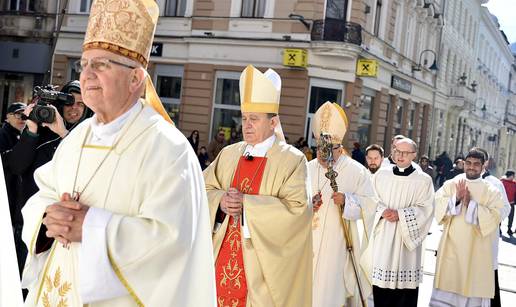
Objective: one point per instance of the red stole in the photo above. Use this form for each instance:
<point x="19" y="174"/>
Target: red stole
<point x="229" y="266"/>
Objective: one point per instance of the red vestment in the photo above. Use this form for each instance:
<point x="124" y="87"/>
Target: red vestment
<point x="229" y="265"/>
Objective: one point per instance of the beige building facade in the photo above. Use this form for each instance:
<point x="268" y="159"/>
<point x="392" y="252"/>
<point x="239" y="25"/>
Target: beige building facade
<point x="201" y="46"/>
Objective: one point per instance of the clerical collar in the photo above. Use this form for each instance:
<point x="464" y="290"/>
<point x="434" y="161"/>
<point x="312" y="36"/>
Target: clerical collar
<point x="260" y="149"/>
<point x="403" y="171"/>
<point x="105" y="134"/>
<point x="486" y="174"/>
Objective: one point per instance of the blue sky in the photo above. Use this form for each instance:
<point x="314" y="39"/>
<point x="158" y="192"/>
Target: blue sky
<point x="505" y="11"/>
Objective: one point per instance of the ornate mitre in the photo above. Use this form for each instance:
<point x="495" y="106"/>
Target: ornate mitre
<point x="126" y="27"/>
<point x="330" y="119"/>
<point x="259" y="92"/>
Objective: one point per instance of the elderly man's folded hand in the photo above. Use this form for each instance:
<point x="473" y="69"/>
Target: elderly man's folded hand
<point x="64" y="220"/>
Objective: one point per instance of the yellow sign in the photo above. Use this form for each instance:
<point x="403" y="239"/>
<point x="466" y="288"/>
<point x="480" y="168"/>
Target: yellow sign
<point x="295" y="57"/>
<point x="367" y="68"/>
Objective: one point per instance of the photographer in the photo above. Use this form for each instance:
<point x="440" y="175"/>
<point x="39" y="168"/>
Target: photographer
<point x="38" y="142"/>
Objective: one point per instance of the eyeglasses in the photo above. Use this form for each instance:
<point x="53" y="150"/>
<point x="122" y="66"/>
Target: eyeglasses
<point x="403" y="153"/>
<point x="18" y="115"/>
<point x="97" y="64"/>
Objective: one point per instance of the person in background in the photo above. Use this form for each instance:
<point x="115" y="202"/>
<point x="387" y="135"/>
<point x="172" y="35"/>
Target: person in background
<point x="307" y="151"/>
<point x="443" y="164"/>
<point x="458" y="168"/>
<point x="39" y="141"/>
<point x="9" y="139"/>
<point x="216" y="145"/>
<point x="203" y="158"/>
<point x="374" y="157"/>
<point x="357" y="154"/>
<point x="299" y="143"/>
<point x="424" y="162"/>
<point x="233" y="138"/>
<point x="193" y="139"/>
<point x="510" y="189"/>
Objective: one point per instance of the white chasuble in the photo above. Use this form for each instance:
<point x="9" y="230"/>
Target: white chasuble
<point x="158" y="237"/>
<point x="334" y="278"/>
<point x="393" y="256"/>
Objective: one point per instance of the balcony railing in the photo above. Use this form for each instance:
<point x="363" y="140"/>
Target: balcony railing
<point x="337" y="30"/>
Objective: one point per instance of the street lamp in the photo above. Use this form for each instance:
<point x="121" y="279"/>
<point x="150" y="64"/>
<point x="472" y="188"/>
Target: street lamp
<point x="433" y="67"/>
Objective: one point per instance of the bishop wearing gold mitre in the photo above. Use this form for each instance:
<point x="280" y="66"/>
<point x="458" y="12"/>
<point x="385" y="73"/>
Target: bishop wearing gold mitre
<point x="121" y="217"/>
<point x="258" y="198"/>
<point x="336" y="281"/>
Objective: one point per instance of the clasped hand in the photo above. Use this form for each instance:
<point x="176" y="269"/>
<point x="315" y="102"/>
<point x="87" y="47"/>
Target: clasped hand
<point x="232" y="202"/>
<point x="391" y="215"/>
<point x="64" y="220"/>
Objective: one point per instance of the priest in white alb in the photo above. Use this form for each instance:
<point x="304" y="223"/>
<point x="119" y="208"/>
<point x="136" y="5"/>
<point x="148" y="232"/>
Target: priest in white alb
<point x="258" y="199"/>
<point x="121" y="218"/>
<point x="404" y="214"/>
<point x="336" y="277"/>
<point x="470" y="209"/>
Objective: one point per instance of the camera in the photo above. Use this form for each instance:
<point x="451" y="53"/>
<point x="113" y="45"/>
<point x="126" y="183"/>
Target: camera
<point x="44" y="97"/>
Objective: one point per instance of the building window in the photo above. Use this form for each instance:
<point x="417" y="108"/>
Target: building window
<point x="226" y="107"/>
<point x="336" y="9"/>
<point x="377" y="18"/>
<point x="253" y="8"/>
<point x="21" y="5"/>
<point x="386" y="141"/>
<point x="365" y="116"/>
<point x="168" y="80"/>
<point x="85" y="6"/>
<point x="320" y="92"/>
<point x="398" y="117"/>
<point x="411" y="133"/>
<point x="175" y="8"/>
<point x="72" y="73"/>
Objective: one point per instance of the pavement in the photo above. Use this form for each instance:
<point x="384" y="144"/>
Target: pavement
<point x="506" y="267"/>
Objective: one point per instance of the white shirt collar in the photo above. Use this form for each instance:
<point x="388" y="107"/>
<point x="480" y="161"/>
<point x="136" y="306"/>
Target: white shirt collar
<point x="105" y="134"/>
<point x="463" y="176"/>
<point x="260" y="149"/>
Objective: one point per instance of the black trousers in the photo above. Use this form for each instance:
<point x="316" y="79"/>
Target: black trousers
<point x="495" y="302"/>
<point x="511" y="218"/>
<point x="395" y="297"/>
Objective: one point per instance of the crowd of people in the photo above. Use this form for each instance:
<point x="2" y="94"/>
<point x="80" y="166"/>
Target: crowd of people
<point x="115" y="210"/>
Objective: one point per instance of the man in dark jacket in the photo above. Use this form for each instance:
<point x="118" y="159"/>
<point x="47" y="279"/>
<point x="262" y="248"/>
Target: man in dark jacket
<point x="10" y="139"/>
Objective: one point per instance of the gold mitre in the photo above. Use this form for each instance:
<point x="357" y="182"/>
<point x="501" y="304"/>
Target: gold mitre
<point x="330" y="119"/>
<point x="126" y="28"/>
<point x="259" y="92"/>
<point x="123" y="27"/>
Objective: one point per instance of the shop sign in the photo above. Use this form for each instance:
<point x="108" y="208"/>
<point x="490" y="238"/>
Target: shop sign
<point x="367" y="68"/>
<point x="401" y="84"/>
<point x="295" y="57"/>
